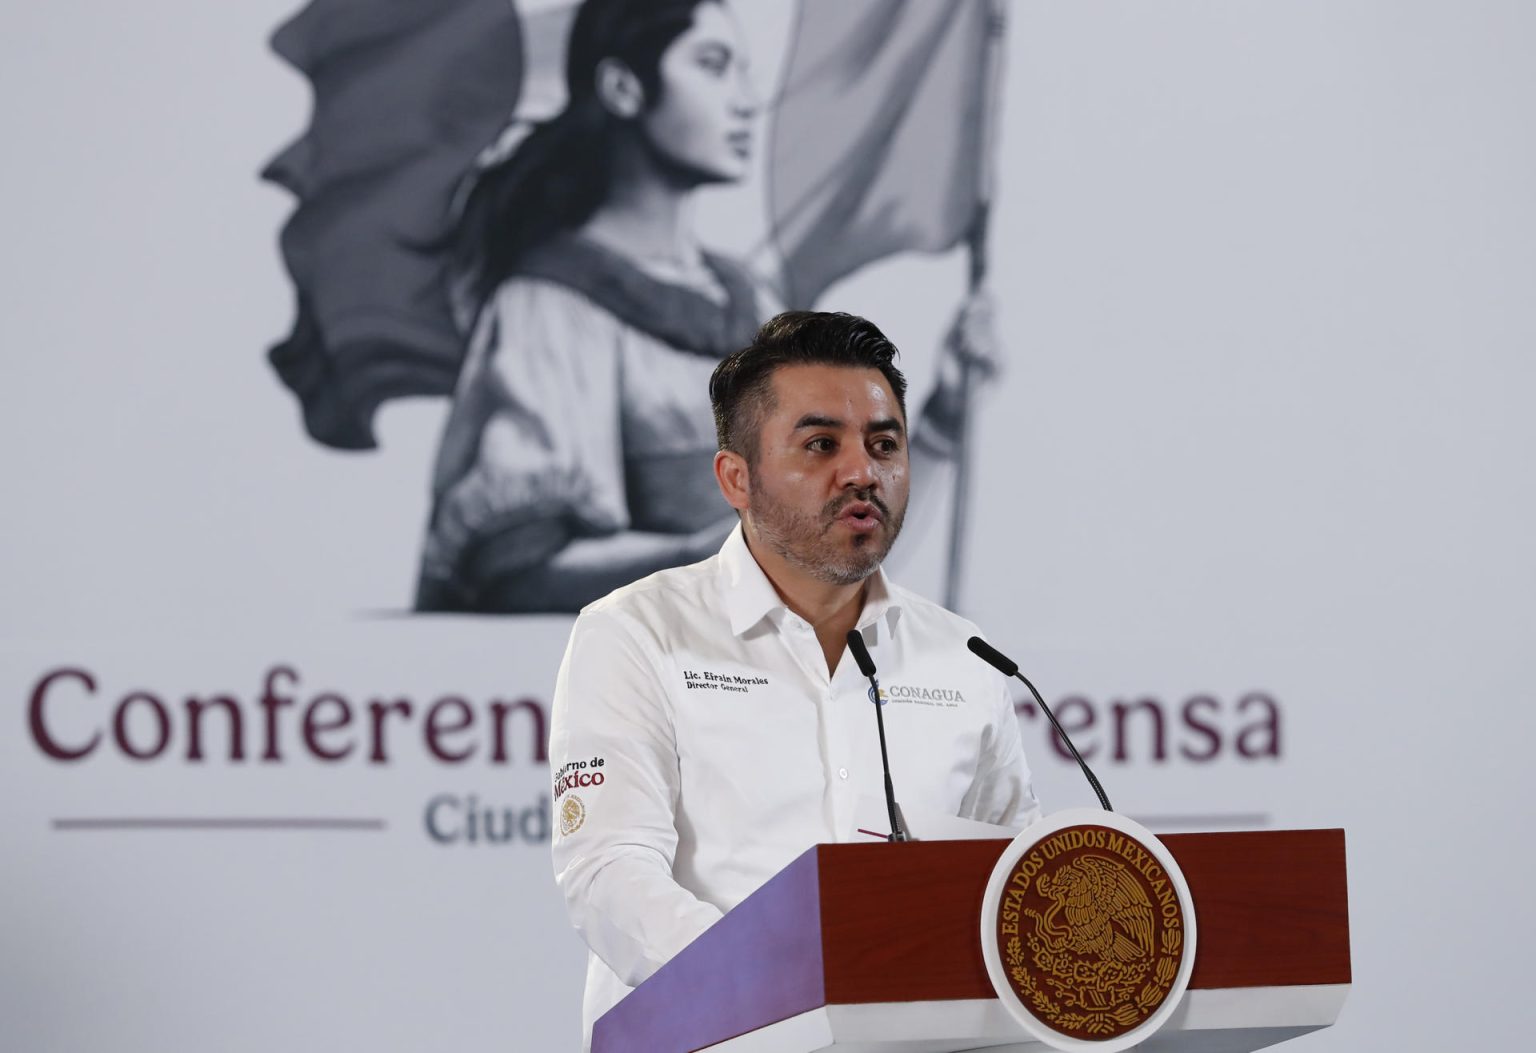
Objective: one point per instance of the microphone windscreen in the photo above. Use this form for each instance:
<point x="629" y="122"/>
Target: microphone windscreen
<point x="860" y="652"/>
<point x="992" y="656"/>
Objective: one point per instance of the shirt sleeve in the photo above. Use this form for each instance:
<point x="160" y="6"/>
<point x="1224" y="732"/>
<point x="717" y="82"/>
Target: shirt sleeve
<point x="532" y="450"/>
<point x="614" y="759"/>
<point x="1003" y="792"/>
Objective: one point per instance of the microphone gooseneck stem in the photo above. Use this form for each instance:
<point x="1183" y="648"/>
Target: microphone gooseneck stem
<point x="898" y="830"/>
<point x="1103" y="800"/>
<point x="1008" y="667"/>
<point x="866" y="666"/>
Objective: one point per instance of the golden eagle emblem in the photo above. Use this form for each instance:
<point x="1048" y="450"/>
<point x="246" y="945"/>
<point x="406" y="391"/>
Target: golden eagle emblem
<point x="1090" y="931"/>
<point x="572" y="814"/>
<point x="1107" y="913"/>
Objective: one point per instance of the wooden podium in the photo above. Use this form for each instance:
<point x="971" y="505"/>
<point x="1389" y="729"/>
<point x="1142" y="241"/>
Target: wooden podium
<point x="876" y="947"/>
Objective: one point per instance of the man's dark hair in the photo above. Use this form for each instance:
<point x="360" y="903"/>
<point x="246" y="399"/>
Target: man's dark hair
<point x="741" y="389"/>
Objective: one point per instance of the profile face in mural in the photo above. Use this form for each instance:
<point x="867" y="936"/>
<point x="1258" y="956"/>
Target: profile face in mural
<point x="547" y="273"/>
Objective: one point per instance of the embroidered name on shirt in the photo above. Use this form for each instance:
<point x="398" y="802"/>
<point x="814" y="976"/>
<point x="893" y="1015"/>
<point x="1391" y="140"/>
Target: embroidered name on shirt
<point x="943" y="697"/>
<point x="707" y="681"/>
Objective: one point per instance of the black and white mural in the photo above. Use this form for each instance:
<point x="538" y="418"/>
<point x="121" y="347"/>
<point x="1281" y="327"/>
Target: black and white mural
<point x="496" y="205"/>
<point x="353" y="344"/>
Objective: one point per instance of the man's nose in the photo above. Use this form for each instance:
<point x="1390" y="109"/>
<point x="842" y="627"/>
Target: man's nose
<point x="856" y="469"/>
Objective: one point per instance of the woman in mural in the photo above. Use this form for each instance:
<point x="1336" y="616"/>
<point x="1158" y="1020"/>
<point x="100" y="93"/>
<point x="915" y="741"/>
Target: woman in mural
<point x="577" y="453"/>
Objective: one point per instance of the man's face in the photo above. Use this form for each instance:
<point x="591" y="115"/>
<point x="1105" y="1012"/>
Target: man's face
<point x="829" y="483"/>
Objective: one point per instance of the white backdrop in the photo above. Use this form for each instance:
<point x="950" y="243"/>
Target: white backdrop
<point x="1266" y="277"/>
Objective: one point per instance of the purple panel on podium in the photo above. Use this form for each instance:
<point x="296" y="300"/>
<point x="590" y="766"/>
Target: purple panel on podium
<point x="770" y="969"/>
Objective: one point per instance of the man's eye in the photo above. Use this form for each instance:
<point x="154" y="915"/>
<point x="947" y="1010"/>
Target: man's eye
<point x="887" y="446"/>
<point x="821" y="445"/>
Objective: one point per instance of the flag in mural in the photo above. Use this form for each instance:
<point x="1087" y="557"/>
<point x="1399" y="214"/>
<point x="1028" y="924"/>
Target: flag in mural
<point x="880" y="141"/>
<point x="405" y="96"/>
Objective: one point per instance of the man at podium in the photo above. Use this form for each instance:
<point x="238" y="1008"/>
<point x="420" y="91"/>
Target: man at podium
<point x="707" y="728"/>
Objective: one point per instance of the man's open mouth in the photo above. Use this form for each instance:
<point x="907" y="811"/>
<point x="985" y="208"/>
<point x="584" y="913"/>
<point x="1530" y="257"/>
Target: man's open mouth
<point x="860" y="516"/>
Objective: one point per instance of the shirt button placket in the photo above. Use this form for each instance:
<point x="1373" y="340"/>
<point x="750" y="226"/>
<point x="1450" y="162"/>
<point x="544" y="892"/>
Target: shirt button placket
<point x="807" y="651"/>
<point x="842" y="788"/>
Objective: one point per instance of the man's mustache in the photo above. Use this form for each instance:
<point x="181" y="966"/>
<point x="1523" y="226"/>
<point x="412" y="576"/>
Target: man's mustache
<point x="835" y="506"/>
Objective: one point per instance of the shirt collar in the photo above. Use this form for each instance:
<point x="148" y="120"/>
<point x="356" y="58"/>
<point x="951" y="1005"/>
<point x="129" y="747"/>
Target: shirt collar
<point x="749" y="596"/>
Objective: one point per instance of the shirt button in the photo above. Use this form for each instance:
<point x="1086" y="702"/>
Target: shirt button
<point x="842" y="773"/>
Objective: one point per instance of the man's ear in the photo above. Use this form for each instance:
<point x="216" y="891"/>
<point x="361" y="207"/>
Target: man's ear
<point x="619" y="90"/>
<point x="734" y="479"/>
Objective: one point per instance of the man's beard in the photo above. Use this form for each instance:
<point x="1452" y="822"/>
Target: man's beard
<point x="807" y="542"/>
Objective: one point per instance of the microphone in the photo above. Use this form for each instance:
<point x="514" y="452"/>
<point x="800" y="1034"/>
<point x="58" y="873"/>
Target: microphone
<point x="1008" y="667"/>
<point x="867" y="667"/>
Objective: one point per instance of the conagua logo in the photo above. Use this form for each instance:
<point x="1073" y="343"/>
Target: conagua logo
<point x="1091" y="932"/>
<point x="928" y="696"/>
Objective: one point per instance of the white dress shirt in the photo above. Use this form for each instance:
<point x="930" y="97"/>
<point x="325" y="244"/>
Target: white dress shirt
<point x="699" y="745"/>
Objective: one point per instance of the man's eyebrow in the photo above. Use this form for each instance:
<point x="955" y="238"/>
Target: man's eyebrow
<point x="816" y="420"/>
